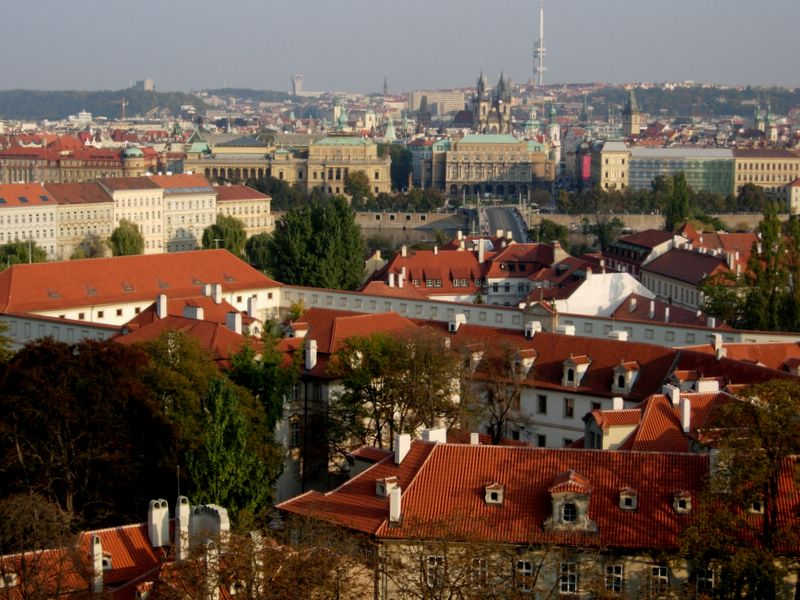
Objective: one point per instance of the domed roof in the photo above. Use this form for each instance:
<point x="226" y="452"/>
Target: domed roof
<point x="132" y="152"/>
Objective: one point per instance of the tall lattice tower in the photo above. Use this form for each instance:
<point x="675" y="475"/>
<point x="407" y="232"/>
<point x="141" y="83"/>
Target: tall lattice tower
<point x="539" y="50"/>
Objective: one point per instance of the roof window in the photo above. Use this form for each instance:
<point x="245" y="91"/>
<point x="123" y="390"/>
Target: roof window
<point x="682" y="502"/>
<point x="493" y="493"/>
<point x="628" y="499"/>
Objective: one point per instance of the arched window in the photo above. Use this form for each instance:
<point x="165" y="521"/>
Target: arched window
<point x="621" y="381"/>
<point x="570" y="375"/>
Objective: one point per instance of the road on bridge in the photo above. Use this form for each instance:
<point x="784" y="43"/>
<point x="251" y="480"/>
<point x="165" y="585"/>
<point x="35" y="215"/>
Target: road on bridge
<point x="507" y="219"/>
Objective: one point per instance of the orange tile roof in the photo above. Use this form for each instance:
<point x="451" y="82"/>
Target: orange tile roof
<point x="227" y="193"/>
<point x="129" y="183"/>
<point x="213" y="312"/>
<point x="180" y="181"/>
<point x="774" y="355"/>
<point x="442" y="494"/>
<point x="25" y="194"/>
<point x="99" y="281"/>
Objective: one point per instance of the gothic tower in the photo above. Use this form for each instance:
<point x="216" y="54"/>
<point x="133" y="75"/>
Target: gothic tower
<point x="631" y="117"/>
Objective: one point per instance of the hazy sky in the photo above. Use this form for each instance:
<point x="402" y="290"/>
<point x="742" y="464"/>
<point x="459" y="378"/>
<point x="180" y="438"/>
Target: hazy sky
<point x="352" y="44"/>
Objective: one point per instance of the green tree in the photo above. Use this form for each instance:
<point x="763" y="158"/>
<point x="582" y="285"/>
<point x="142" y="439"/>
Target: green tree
<point x="256" y="251"/>
<point x="357" y="186"/>
<point x="226" y="468"/>
<point x="677" y="210"/>
<point x="766" y="275"/>
<point x="738" y="525"/>
<point x="319" y="245"/>
<point x="126" y="239"/>
<point x="549" y="231"/>
<point x="401" y="164"/>
<point x="605" y="228"/>
<point x="751" y="198"/>
<point x="227" y="232"/>
<point x="92" y="246"/>
<point x="18" y="252"/>
<point x="723" y="297"/>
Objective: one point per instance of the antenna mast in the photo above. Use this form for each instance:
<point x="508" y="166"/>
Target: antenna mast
<point x="539" y="51"/>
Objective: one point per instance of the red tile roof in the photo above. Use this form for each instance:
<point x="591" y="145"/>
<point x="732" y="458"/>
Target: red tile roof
<point x="637" y="308"/>
<point x="129" y="183"/>
<point x="25" y="194"/>
<point x="213" y="312"/>
<point x="443" y="494"/>
<point x="98" y="281"/>
<point x="78" y="193"/>
<point x="649" y="238"/>
<point x="227" y="193"/>
<point x="771" y="355"/>
<point x="686" y="266"/>
<point x="180" y="181"/>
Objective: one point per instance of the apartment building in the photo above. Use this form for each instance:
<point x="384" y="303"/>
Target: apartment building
<point x="770" y="169"/>
<point x="189" y="207"/>
<point x="251" y="207"/>
<point x="84" y="210"/>
<point x="28" y="213"/>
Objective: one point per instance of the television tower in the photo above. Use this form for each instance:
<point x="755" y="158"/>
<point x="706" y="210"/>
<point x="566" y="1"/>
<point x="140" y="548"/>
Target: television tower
<point x="539" y="51"/>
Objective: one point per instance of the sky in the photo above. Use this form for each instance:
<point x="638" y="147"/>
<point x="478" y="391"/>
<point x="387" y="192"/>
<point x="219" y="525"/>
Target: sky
<point x="350" y="45"/>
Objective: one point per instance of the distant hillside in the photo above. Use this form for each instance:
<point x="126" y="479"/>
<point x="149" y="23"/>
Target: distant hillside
<point x="248" y="94"/>
<point x="37" y="105"/>
<point x="700" y="101"/>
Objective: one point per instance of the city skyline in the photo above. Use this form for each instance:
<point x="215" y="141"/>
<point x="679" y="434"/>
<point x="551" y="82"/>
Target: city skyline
<point x="353" y="44"/>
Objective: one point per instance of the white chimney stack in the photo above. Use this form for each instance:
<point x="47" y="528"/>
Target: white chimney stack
<point x="402" y="445"/>
<point x="182" y="515"/>
<point x="216" y="292"/>
<point x="436" y="434"/>
<point x="481" y="252"/>
<point x="161" y="306"/>
<point x="459" y="235"/>
<point x="391" y="280"/>
<point x="475" y="438"/>
<point x="252" y="306"/>
<point x="686" y="414"/>
<point x="672" y="392"/>
<point x="617" y="403"/>
<point x="498" y="233"/>
<point x="395" y="511"/>
<point x="311" y="354"/>
<point x="401" y="278"/>
<point x="97" y="564"/>
<point x="192" y="311"/>
<point x="233" y="321"/>
<point x="158" y="523"/>
<point x="666" y="314"/>
<point x="435" y="250"/>
<point x="404" y="251"/>
<point x="206" y="289"/>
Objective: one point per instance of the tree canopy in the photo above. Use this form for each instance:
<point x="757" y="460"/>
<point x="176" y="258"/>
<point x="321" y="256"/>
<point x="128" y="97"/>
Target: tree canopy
<point x="319" y="245"/>
<point x="127" y="239"/>
<point x="227" y="232"/>
<point x="21" y="252"/>
<point x="256" y="251"/>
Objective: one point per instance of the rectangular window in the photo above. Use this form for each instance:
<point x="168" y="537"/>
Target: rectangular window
<point x="659" y="581"/>
<point x="479" y="573"/>
<point x="100" y="314"/>
<point x="569" y="408"/>
<point x="706" y="581"/>
<point x="568" y="577"/>
<point x="434" y="574"/>
<point x="119" y="312"/>
<point x="614" y="578"/>
<point x="294" y="434"/>
<point x="524" y="576"/>
<point x="541" y="404"/>
<point x="670" y="336"/>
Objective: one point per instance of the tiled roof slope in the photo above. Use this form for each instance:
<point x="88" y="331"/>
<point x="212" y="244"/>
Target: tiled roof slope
<point x="78" y="193"/>
<point x="58" y="285"/>
<point x="771" y="355"/>
<point x="226" y="193"/>
<point x="686" y="265"/>
<point x="443" y="494"/>
<point x="216" y="313"/>
<point x="25" y="194"/>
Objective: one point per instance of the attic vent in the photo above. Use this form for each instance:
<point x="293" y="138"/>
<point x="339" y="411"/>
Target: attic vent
<point x="53" y="293"/>
<point x="682" y="502"/>
<point x="493" y="493"/>
<point x="9" y="580"/>
<point x="383" y="487"/>
<point x="162" y="284"/>
<point x="628" y="499"/>
<point x="90" y="290"/>
<point x="228" y="278"/>
<point x="196" y="281"/>
<point x="44" y="198"/>
<point x="107" y="565"/>
<point x="23" y="199"/>
<point x="127" y="287"/>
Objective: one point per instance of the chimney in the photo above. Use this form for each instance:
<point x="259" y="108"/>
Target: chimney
<point x="158" y="523"/>
<point x="252" y="306"/>
<point x="216" y="292"/>
<point x="672" y="392"/>
<point x="652" y="314"/>
<point x="459" y="235"/>
<point x="192" y="311"/>
<point x="437" y="434"/>
<point x="498" y="233"/>
<point x="401" y="278"/>
<point x="632" y="305"/>
<point x="311" y="354"/>
<point x="233" y="321"/>
<point x="588" y="273"/>
<point x="457" y="321"/>
<point x="666" y="314"/>
<point x="97" y="564"/>
<point x="402" y="444"/>
<point x="617" y="403"/>
<point x="391" y="280"/>
<point x="686" y="414"/>
<point x="461" y="245"/>
<point x="206" y="289"/>
<point x="182" y="514"/>
<point x="161" y="306"/>
<point x="395" y="512"/>
<point x="711" y="323"/>
<point x="211" y="575"/>
<point x="475" y="438"/>
<point x="481" y="251"/>
<point x="719" y="349"/>
<point x="404" y="251"/>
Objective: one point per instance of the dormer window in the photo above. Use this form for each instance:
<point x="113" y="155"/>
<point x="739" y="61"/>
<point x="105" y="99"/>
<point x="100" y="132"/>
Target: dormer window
<point x="570" y="375"/>
<point x="575" y="368"/>
<point x="620" y="381"/>
<point x="570" y="495"/>
<point x="757" y="507"/>
<point x="383" y="487"/>
<point x="493" y="493"/>
<point x="628" y="499"/>
<point x="625" y="375"/>
<point x="682" y="502"/>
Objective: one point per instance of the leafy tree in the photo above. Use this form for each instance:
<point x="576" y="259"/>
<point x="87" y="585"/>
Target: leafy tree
<point x="723" y="298"/>
<point x="357" y="186"/>
<point x="228" y="232"/>
<point x="401" y="164"/>
<point x="126" y="239"/>
<point x="548" y="231"/>
<point x="758" y="437"/>
<point x="265" y="377"/>
<point x="751" y="198"/>
<point x="256" y="251"/>
<point x="766" y="276"/>
<point x="392" y="384"/>
<point x="677" y="210"/>
<point x="18" y="252"/>
<point x="319" y="245"/>
<point x="100" y="456"/>
<point x="92" y="246"/>
<point x="605" y="229"/>
<point x="226" y="468"/>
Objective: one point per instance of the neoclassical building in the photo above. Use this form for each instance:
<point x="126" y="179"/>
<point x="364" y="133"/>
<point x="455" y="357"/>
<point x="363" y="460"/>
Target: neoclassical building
<point x="331" y="159"/>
